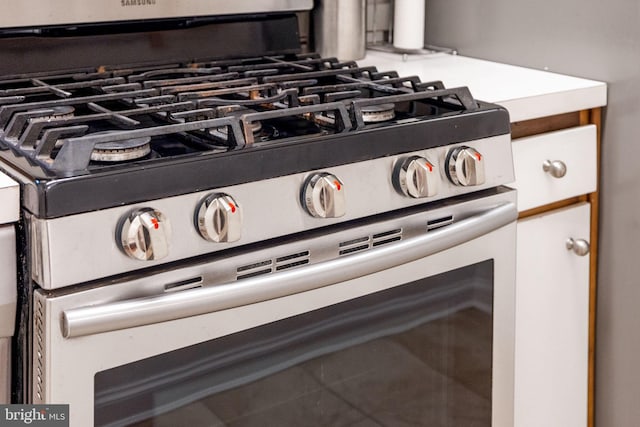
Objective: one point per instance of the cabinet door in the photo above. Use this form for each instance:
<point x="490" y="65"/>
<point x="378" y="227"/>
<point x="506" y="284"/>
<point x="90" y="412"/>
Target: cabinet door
<point x="552" y="320"/>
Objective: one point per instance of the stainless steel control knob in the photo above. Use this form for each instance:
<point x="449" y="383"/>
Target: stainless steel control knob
<point x="416" y="177"/>
<point x="145" y="234"/>
<point x="219" y="218"/>
<point x="323" y="196"/>
<point x="465" y="166"/>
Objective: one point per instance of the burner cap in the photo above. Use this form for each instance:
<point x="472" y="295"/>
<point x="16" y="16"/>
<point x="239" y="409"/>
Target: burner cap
<point x="120" y="151"/>
<point x="61" y="112"/>
<point x="378" y="113"/>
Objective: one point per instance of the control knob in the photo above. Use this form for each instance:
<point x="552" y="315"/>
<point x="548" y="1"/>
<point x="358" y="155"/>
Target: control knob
<point x="219" y="218"/>
<point x="465" y="166"/>
<point x="416" y="177"/>
<point x="323" y="196"/>
<point x="145" y="234"/>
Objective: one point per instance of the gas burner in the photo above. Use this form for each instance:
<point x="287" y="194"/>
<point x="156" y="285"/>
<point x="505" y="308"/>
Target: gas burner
<point x="378" y="113"/>
<point x="62" y="112"/>
<point x="120" y="151"/>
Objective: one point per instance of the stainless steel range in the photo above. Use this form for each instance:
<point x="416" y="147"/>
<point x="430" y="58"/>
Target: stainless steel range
<point x="218" y="228"/>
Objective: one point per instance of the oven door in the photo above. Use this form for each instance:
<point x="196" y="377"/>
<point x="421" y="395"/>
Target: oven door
<point x="408" y="320"/>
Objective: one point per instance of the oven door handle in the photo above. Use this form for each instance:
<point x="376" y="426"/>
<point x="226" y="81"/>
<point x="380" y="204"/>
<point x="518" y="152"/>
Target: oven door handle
<point x="136" y="312"/>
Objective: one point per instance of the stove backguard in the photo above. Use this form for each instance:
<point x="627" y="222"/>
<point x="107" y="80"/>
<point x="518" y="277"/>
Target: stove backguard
<point x="36" y="13"/>
<point x="147" y="42"/>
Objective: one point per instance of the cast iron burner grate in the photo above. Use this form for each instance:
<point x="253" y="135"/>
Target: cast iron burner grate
<point x="56" y="120"/>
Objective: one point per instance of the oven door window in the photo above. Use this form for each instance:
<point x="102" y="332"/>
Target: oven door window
<point x="419" y="354"/>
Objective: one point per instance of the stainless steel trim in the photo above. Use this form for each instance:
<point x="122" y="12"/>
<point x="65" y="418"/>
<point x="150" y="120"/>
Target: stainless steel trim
<point x="5" y="370"/>
<point x="340" y="28"/>
<point x="150" y="310"/>
<point x="27" y="13"/>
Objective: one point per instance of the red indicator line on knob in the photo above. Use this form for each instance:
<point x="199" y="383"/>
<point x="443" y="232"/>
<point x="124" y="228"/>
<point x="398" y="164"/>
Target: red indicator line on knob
<point x="479" y="156"/>
<point x="338" y="186"/>
<point x="233" y="207"/>
<point x="430" y="166"/>
<point x="155" y="223"/>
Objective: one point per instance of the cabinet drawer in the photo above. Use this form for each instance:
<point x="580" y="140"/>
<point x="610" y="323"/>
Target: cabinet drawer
<point x="575" y="148"/>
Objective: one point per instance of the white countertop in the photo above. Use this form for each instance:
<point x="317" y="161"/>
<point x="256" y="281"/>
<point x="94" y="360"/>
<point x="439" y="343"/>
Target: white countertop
<point x="9" y="200"/>
<point x="524" y="92"/>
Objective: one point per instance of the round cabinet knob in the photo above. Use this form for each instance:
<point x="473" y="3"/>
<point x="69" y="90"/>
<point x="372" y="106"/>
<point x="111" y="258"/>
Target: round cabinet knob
<point x="145" y="234"/>
<point x="465" y="166"/>
<point x="416" y="177"/>
<point x="323" y="196"/>
<point x="555" y="168"/>
<point x="219" y="218"/>
<point x="579" y="246"/>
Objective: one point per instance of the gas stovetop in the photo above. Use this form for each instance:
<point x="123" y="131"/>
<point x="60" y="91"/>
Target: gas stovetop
<point x="76" y="122"/>
<point x="215" y="123"/>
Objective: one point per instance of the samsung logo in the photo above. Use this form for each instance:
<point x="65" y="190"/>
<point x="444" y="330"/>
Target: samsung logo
<point x="137" y="2"/>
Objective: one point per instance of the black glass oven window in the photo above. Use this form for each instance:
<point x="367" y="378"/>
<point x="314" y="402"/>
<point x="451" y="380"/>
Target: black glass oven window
<point x="416" y="355"/>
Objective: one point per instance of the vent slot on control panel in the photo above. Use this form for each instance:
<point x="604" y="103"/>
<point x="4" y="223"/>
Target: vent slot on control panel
<point x="254" y="269"/>
<point x="354" y="245"/>
<point x="291" y="261"/>
<point x="271" y="265"/>
<point x="354" y="249"/>
<point x="254" y="265"/>
<point x="354" y="241"/>
<point x="367" y="242"/>
<point x="386" y="237"/>
<point x="183" y="285"/>
<point x="253" y="274"/>
<point x="439" y="222"/>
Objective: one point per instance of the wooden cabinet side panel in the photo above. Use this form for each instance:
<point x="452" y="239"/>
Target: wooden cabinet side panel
<point x="593" y="116"/>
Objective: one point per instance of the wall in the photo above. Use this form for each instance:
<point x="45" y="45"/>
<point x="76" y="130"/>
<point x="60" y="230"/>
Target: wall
<point x="601" y="41"/>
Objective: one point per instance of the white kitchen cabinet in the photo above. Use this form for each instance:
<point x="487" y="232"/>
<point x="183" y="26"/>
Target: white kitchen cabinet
<point x="552" y="320"/>
<point x="555" y="287"/>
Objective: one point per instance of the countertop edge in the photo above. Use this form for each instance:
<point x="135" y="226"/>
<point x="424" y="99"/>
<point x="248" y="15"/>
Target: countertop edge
<point x="555" y="103"/>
